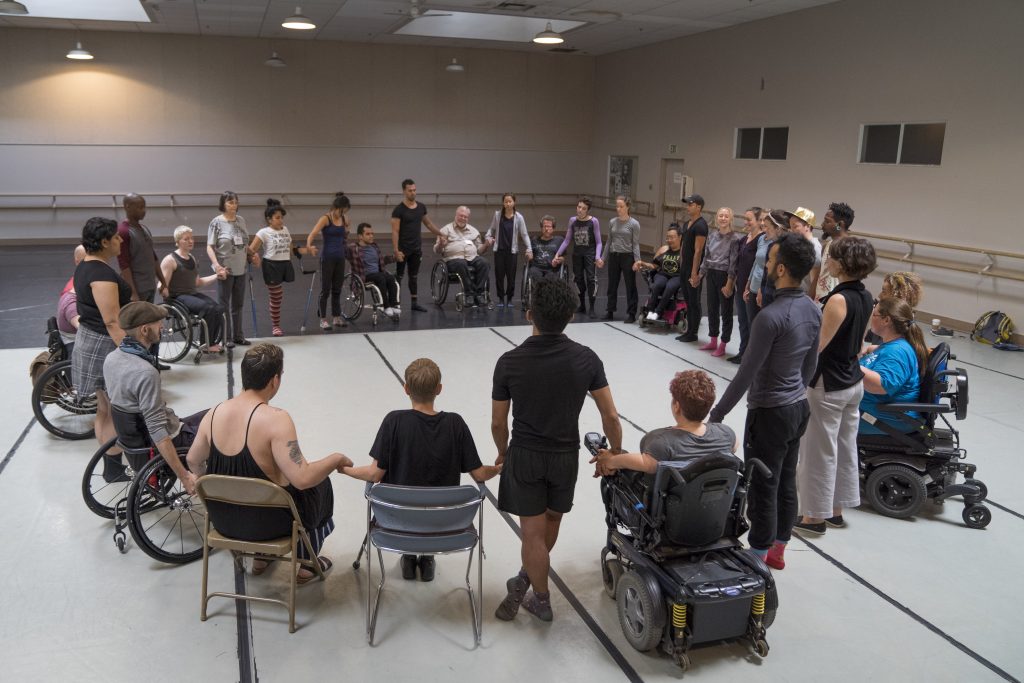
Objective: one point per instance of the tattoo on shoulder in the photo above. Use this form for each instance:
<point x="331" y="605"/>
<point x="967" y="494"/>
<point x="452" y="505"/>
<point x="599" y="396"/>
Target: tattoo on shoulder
<point x="295" y="453"/>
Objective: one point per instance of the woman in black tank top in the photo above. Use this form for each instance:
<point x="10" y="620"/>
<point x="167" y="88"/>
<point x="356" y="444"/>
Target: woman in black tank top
<point x="181" y="273"/>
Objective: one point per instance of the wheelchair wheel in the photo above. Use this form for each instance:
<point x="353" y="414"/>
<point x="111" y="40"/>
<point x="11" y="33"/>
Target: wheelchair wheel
<point x="106" y="481"/>
<point x="641" y="617"/>
<point x="977" y="516"/>
<point x="896" y="491"/>
<point x="439" y="283"/>
<point x="611" y="572"/>
<point x="164" y="520"/>
<point x="176" y="338"/>
<point x="352" y="291"/>
<point x="59" y="408"/>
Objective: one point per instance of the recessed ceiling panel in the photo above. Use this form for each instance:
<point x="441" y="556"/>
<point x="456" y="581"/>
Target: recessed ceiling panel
<point x="96" y="10"/>
<point x="482" y="26"/>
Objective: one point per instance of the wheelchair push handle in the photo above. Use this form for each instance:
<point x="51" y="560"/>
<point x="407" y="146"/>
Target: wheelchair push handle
<point x="595" y="442"/>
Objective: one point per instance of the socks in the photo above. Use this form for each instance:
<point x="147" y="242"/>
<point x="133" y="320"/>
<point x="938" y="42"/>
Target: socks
<point x="761" y="553"/>
<point x="276" y="293"/>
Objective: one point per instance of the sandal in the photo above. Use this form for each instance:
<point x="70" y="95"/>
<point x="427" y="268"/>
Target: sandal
<point x="325" y="566"/>
<point x="260" y="565"/>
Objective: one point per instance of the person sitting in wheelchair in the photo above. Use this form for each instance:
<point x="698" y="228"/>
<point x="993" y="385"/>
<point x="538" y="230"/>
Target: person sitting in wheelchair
<point x="461" y="247"/>
<point x="422" y="447"/>
<point x="667" y="279"/>
<point x="141" y="417"/>
<point x="545" y="246"/>
<point x="182" y="276"/>
<point x="368" y="265"/>
<point x="693" y="394"/>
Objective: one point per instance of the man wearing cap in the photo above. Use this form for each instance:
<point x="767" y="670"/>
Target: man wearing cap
<point x="133" y="386"/>
<point x="834" y="225"/>
<point x="801" y="222"/>
<point x="695" y="235"/>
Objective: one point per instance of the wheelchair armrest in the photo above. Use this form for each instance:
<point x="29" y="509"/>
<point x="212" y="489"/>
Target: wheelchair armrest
<point x="915" y="407"/>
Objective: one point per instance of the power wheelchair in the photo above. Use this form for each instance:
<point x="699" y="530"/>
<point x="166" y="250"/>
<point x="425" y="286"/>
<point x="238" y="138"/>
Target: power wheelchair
<point x="55" y="402"/>
<point x="139" y="491"/>
<point x="909" y="465"/>
<point x="526" y="292"/>
<point x="673" y="561"/>
<point x="441" y="279"/>
<point x="674" y="316"/>
<point x="182" y="332"/>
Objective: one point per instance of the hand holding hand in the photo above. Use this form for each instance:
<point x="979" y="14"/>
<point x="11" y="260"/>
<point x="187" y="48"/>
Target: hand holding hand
<point x="599" y="263"/>
<point x="557" y="261"/>
<point x="164" y="292"/>
<point x="399" y="255"/>
<point x="312" y="250"/>
<point x="759" y="299"/>
<point x="343" y="462"/>
<point x="189" y="482"/>
<point x="637" y="265"/>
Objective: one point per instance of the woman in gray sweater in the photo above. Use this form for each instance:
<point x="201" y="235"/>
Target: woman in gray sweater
<point x="622" y="254"/>
<point x="719" y="261"/>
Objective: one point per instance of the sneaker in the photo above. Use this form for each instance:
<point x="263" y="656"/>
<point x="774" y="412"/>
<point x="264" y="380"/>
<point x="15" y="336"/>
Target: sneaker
<point x="418" y="308"/>
<point x="630" y="319"/>
<point x="389" y="312"/>
<point x="501" y="304"/>
<point x="538" y="607"/>
<point x="339" y="321"/>
<point x="687" y="338"/>
<point x="942" y="332"/>
<point x="737" y="359"/>
<point x="775" y="557"/>
<point x="710" y="345"/>
<point x="836" y="522"/>
<point x="516" y="587"/>
<point x="409" y="567"/>
<point x="426" y="567"/>
<point x="324" y="325"/>
<point x="242" y="341"/>
<point x="277" y="332"/>
<point x="652" y="316"/>
<point x="213" y="348"/>
<point x="608" y="315"/>
<point x="817" y="529"/>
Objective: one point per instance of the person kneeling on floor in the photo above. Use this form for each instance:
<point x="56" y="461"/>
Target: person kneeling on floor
<point x="422" y="447"/>
<point x="255" y="439"/>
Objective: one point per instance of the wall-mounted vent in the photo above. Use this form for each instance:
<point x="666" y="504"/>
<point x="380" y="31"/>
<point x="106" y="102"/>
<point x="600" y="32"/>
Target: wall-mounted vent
<point x="515" y="6"/>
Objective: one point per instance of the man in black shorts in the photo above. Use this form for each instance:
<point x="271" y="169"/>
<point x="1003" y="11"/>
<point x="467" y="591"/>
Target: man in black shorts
<point x="544" y="381"/>
<point x="407" y="221"/>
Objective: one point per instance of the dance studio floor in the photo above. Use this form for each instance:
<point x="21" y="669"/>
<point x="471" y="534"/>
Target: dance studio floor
<point x="887" y="600"/>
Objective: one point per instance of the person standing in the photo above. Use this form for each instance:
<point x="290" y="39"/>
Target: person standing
<point x="718" y="267"/>
<point x="275" y="242"/>
<point x="835" y="225"/>
<point x="544" y="382"/>
<point x="828" y="476"/>
<point x="622" y="254"/>
<point x="745" y="259"/>
<point x="508" y="228"/>
<point x="695" y="235"/>
<point x="785" y="334"/>
<point x="333" y="225"/>
<point x="139" y="264"/>
<point x="584" y="234"/>
<point x="227" y="245"/>
<point x="407" y="221"/>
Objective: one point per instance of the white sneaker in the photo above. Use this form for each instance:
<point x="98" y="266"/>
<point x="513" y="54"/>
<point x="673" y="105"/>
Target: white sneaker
<point x="652" y="316"/>
<point x="389" y="312"/>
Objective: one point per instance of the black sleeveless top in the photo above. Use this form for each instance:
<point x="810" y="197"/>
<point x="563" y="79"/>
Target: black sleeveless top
<point x="315" y="505"/>
<point x="838" y="365"/>
<point x="183" y="279"/>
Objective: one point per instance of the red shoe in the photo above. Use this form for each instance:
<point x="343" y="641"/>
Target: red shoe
<point x="775" y="558"/>
<point x="710" y="346"/>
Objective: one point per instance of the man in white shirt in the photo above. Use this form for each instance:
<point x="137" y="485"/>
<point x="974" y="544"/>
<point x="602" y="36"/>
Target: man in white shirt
<point x="460" y="245"/>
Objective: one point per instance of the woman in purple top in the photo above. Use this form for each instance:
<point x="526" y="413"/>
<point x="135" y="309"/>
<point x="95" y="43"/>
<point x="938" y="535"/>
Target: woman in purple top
<point x="584" y="234"/>
<point x="334" y="226"/>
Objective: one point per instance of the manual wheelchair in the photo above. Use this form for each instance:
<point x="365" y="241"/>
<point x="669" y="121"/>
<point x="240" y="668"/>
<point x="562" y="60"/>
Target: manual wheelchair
<point x="182" y="332"/>
<point x="139" y="491"/>
<point x="55" y="402"/>
<point x="526" y="291"/>
<point x="441" y="279"/>
<point x="673" y="561"/>
<point x="909" y="465"/>
<point x="674" y="316"/>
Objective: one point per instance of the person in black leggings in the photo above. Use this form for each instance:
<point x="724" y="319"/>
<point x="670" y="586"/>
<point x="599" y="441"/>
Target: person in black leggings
<point x="334" y="227"/>
<point x="407" y="221"/>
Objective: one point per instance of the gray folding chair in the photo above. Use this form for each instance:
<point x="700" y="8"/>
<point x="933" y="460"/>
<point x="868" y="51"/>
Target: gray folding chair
<point x="417" y="520"/>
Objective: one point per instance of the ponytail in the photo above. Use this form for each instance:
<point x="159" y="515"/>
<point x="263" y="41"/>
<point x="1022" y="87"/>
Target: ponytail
<point x="902" y="316"/>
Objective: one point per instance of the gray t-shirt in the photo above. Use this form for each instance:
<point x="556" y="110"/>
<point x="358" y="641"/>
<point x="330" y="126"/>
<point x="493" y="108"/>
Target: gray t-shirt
<point x="670" y="443"/>
<point x="229" y="240"/>
<point x="623" y="238"/>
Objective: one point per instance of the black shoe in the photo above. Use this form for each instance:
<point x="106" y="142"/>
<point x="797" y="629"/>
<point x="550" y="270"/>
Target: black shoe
<point x="419" y="309"/>
<point x="113" y="470"/>
<point x="737" y="359"/>
<point x="818" y="528"/>
<point x="630" y="319"/>
<point x="242" y="341"/>
<point x="836" y="522"/>
<point x="475" y="302"/>
<point x="593" y="314"/>
<point x="409" y="567"/>
<point x="609" y="315"/>
<point x="426" y="567"/>
<point x="162" y="367"/>
<point x="687" y="338"/>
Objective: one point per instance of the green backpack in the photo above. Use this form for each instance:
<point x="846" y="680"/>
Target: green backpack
<point x="993" y="327"/>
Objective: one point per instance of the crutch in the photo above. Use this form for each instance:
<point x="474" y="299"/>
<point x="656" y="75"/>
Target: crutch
<point x="309" y="294"/>
<point x="252" y="298"/>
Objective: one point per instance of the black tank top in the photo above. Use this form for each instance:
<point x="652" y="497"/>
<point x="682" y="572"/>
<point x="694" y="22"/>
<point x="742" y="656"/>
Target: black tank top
<point x="183" y="279"/>
<point x="315" y="505"/>
<point x="838" y="364"/>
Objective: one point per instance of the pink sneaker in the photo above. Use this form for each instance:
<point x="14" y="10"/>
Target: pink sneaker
<point x="776" y="556"/>
<point x="278" y="332"/>
<point x="711" y="345"/>
<point x="720" y="351"/>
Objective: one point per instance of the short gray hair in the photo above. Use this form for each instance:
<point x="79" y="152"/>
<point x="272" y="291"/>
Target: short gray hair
<point x="179" y="232"/>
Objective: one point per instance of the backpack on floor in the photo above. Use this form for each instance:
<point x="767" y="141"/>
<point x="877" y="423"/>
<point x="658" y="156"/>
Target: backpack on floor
<point x="993" y="327"/>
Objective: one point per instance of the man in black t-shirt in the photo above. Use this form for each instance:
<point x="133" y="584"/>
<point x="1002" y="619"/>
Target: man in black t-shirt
<point x="407" y="221"/>
<point x="544" y="381"/>
<point x="545" y="247"/>
<point x="422" y="447"/>
<point x="695" y="235"/>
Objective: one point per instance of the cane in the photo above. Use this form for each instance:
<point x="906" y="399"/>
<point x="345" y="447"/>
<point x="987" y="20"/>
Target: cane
<point x="309" y="294"/>
<point x="252" y="298"/>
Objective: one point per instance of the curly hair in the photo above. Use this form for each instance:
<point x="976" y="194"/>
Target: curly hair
<point x="95" y="230"/>
<point x="843" y="213"/>
<point x="422" y="378"/>
<point x="694" y="391"/>
<point x="903" y="285"/>
<point x="855" y="256"/>
<point x="552" y="304"/>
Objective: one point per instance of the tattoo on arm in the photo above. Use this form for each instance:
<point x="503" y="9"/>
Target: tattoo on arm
<point x="295" y="453"/>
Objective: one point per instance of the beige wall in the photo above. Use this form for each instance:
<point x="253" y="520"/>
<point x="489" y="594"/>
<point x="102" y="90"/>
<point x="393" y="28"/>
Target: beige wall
<point x="827" y="71"/>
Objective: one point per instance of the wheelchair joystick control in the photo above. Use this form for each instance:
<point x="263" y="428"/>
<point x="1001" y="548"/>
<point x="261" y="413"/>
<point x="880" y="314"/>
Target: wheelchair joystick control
<point x="595" y="442"/>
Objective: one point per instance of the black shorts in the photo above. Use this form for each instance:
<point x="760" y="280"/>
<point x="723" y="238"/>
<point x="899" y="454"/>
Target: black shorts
<point x="276" y="272"/>
<point x="535" y="481"/>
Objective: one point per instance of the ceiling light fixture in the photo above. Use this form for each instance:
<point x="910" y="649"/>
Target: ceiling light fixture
<point x="298" y="21"/>
<point x="275" y="61"/>
<point x="12" y="7"/>
<point x="78" y="52"/>
<point x="548" y="36"/>
<point x="455" y="67"/>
